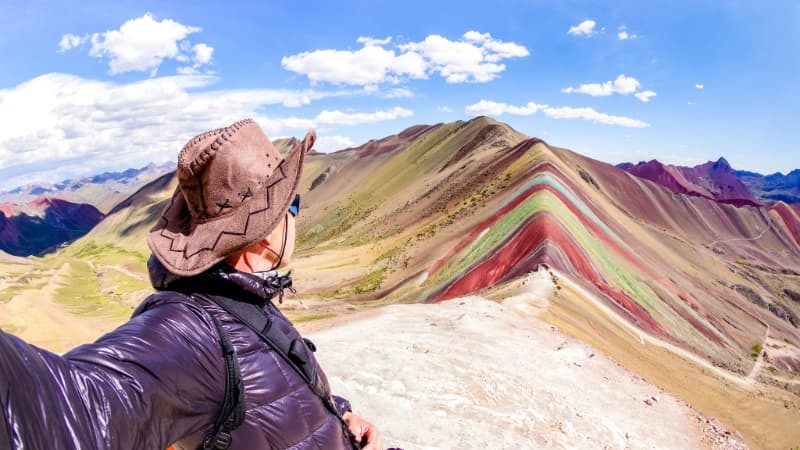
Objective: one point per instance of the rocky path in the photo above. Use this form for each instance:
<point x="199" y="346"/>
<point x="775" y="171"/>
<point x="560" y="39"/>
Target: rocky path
<point x="754" y="238"/>
<point x="753" y="375"/>
<point x="474" y="373"/>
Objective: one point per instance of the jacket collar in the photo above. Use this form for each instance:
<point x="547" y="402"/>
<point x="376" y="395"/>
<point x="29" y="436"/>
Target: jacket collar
<point x="222" y="279"/>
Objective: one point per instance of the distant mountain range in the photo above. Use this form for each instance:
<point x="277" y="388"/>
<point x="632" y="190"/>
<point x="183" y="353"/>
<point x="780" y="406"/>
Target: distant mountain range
<point x="37" y="218"/>
<point x="103" y="191"/>
<point x="717" y="180"/>
<point x="775" y="187"/>
<point x="43" y="224"/>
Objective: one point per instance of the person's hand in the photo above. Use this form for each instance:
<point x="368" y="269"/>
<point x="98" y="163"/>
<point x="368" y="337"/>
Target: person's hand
<point x="364" y="433"/>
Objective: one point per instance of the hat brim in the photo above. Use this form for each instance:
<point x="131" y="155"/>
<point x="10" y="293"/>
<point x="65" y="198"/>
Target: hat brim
<point x="186" y="247"/>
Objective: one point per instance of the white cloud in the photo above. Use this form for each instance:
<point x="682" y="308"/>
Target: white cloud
<point x="337" y="117"/>
<point x="366" y="40"/>
<point x="329" y="118"/>
<point x="275" y="125"/>
<point x="59" y="126"/>
<point x="142" y="44"/>
<point x="594" y="116"/>
<point x="476" y="36"/>
<point x="645" y="96"/>
<point x="488" y="107"/>
<point x="622" y="85"/>
<point x="445" y="109"/>
<point x="474" y="58"/>
<point x="202" y="53"/>
<point x="70" y="41"/>
<point x="367" y="66"/>
<point x="585" y="28"/>
<point x="330" y="143"/>
<point x="623" y="35"/>
<point x="491" y="108"/>
<point x="187" y="70"/>
<point x="699" y="86"/>
<point x="397" y="93"/>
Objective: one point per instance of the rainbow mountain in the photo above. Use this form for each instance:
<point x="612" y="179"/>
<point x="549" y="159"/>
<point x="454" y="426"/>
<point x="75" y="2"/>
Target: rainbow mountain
<point x="440" y="211"/>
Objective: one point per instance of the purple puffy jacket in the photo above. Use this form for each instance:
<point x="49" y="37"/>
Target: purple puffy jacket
<point x="159" y="379"/>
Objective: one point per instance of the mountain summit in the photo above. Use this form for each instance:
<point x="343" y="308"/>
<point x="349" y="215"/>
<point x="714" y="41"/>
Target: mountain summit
<point x="715" y="180"/>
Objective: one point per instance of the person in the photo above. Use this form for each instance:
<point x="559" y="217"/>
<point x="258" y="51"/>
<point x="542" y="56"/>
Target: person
<point x="189" y="370"/>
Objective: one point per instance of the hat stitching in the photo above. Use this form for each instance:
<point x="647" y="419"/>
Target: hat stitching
<point x="196" y="165"/>
<point x="194" y="141"/>
<point x="205" y="217"/>
<point x="244" y="195"/>
<point x="202" y="136"/>
<point x="221" y="233"/>
<point x="225" y="205"/>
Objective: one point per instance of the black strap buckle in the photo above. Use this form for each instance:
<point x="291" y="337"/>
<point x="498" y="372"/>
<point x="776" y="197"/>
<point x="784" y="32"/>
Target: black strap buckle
<point x="220" y="441"/>
<point x="223" y="441"/>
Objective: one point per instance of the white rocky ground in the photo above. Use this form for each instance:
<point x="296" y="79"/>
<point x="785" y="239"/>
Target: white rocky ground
<point x="476" y="374"/>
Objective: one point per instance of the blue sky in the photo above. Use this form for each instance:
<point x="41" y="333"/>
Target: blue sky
<point x="89" y="86"/>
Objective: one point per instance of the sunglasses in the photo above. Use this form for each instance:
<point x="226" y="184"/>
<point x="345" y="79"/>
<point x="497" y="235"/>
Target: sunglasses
<point x="294" y="208"/>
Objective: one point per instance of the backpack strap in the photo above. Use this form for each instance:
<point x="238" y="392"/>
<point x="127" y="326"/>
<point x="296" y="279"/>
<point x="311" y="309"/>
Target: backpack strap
<point x="231" y="414"/>
<point x="295" y="352"/>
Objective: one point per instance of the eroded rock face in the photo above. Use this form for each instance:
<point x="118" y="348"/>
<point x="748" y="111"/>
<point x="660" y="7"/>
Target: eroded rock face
<point x="783" y="313"/>
<point x="776" y="309"/>
<point x="321" y="178"/>
<point x="750" y="294"/>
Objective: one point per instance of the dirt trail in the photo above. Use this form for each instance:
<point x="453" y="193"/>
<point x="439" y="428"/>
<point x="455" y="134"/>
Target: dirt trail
<point x="753" y="375"/>
<point x="755" y="238"/>
<point x="475" y="373"/>
<point x="97" y="268"/>
<point x="765" y="415"/>
<point x="128" y="272"/>
<point x="643" y="337"/>
<point x="40" y="320"/>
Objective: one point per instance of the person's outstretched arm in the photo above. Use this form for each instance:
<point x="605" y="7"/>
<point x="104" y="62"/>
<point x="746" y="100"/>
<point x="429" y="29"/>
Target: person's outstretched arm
<point x="145" y="385"/>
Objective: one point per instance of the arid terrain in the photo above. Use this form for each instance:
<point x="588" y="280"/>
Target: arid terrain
<point x="477" y="373"/>
<point x="516" y="294"/>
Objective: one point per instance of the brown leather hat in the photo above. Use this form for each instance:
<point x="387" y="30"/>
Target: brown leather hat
<point x="234" y="187"/>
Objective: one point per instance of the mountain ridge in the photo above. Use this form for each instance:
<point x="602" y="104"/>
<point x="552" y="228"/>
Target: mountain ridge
<point x="714" y="179"/>
<point x="468" y="207"/>
<point x="103" y="190"/>
<point x="719" y="181"/>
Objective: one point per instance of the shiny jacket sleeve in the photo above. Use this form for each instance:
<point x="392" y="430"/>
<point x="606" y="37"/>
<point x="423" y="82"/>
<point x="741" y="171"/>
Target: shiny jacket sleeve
<point x="342" y="404"/>
<point x="145" y="385"/>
